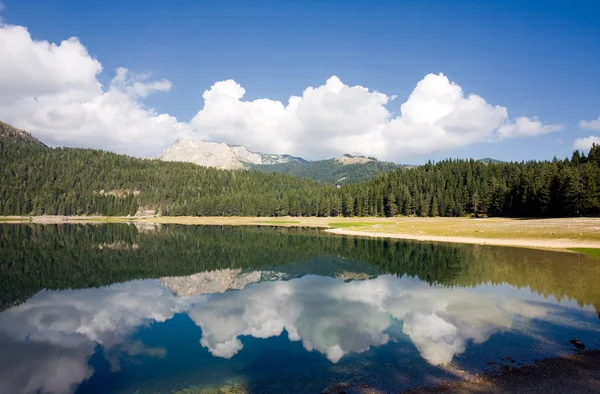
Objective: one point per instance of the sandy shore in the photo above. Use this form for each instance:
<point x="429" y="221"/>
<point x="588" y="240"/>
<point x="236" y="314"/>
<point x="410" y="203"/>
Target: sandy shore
<point x="530" y="243"/>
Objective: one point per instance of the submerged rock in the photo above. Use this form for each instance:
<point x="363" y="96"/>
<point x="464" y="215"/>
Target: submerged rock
<point x="577" y="343"/>
<point x="336" y="388"/>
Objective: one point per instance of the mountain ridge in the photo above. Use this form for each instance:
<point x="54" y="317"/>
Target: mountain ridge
<point x="219" y="154"/>
<point x="345" y="169"/>
<point x="12" y="133"/>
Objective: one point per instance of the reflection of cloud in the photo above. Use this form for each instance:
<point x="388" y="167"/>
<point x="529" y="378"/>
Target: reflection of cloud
<point x="31" y="367"/>
<point x="104" y="315"/>
<point x="47" y="341"/>
<point x="131" y="348"/>
<point x="337" y="318"/>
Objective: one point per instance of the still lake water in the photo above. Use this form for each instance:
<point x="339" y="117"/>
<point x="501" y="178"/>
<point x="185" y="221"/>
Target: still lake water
<point x="202" y="309"/>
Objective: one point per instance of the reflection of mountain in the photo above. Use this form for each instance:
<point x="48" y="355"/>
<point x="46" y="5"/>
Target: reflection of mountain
<point x="215" y="281"/>
<point x="34" y="257"/>
<point x="220" y="281"/>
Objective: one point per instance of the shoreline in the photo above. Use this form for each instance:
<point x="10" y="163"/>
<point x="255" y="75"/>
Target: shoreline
<point x="555" y="234"/>
<point x="566" y="374"/>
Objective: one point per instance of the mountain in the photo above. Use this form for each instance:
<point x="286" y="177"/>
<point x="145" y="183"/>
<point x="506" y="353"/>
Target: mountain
<point x="220" y="155"/>
<point x="10" y="133"/>
<point x="346" y="169"/>
<point x="38" y="180"/>
<point x="488" y="160"/>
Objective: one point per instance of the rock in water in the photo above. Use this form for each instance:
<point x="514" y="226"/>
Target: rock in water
<point x="577" y="343"/>
<point x="336" y="388"/>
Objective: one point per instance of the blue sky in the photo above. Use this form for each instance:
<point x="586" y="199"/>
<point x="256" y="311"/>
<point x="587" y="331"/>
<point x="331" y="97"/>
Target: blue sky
<point x="536" y="58"/>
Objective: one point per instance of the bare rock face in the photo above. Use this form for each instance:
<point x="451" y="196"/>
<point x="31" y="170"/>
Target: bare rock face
<point x="349" y="159"/>
<point x="218" y="155"/>
<point x="347" y="276"/>
<point x="212" y="282"/>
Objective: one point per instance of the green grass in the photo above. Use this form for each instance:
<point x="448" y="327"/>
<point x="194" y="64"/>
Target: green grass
<point x="353" y="224"/>
<point x="21" y="219"/>
<point x="595" y="253"/>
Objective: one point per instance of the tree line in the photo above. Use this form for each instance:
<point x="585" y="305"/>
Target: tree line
<point x="37" y="180"/>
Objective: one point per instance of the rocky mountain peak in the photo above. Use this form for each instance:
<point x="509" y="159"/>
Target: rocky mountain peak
<point x="349" y="159"/>
<point x="218" y="154"/>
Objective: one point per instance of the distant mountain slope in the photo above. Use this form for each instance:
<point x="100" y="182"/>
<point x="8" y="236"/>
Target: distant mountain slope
<point x="219" y="155"/>
<point x="489" y="160"/>
<point x="344" y="170"/>
<point x="8" y="132"/>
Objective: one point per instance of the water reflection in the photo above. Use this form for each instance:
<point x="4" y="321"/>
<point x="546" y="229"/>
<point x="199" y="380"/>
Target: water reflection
<point x="337" y="318"/>
<point x="47" y="341"/>
<point x="355" y="305"/>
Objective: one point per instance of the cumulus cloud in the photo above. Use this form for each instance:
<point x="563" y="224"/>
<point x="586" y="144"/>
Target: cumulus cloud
<point x="35" y="68"/>
<point x="52" y="90"/>
<point x="335" y="118"/>
<point x="526" y="127"/>
<point x="586" y="143"/>
<point x="590" y="124"/>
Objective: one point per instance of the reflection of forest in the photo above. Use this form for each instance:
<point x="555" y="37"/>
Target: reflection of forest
<point x="34" y="257"/>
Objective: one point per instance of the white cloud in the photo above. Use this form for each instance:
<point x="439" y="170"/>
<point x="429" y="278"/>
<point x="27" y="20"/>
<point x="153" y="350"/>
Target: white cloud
<point x="52" y="90"/>
<point x="35" y="68"/>
<point x="526" y="127"/>
<point x="586" y="143"/>
<point x="335" y="118"/>
<point x="590" y="124"/>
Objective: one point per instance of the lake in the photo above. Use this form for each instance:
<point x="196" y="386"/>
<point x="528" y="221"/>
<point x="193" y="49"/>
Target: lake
<point x="115" y="308"/>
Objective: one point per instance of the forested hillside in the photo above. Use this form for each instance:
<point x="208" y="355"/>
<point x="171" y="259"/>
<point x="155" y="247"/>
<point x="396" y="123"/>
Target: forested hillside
<point x="36" y="180"/>
<point x="459" y="187"/>
<point x="330" y="171"/>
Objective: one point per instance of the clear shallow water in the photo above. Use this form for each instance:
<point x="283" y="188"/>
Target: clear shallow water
<point x="120" y="309"/>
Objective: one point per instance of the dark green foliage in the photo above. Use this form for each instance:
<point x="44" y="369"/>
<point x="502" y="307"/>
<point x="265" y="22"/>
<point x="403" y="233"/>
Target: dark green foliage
<point x="459" y="187"/>
<point x="37" y="180"/>
<point x="55" y="257"/>
<point x="330" y="171"/>
<point x="12" y="134"/>
<point x="34" y="257"/>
